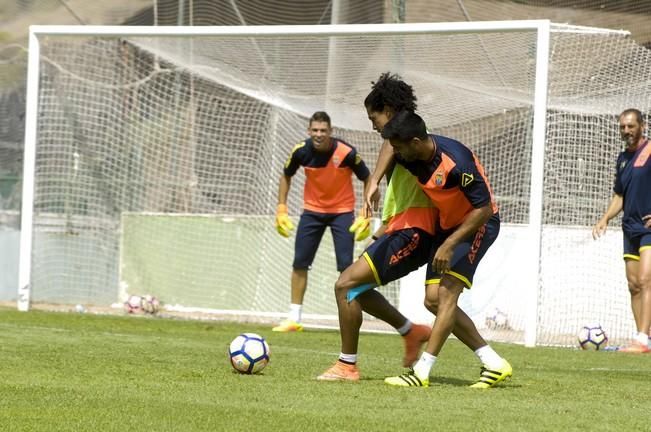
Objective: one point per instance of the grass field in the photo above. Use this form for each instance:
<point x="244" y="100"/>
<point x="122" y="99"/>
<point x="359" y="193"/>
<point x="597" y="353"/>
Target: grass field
<point x="83" y="372"/>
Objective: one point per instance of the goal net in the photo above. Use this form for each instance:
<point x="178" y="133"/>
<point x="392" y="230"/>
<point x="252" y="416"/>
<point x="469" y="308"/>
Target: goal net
<point x="153" y="158"/>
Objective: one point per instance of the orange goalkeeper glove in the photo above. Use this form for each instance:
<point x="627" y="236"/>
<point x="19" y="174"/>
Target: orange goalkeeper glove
<point x="361" y="227"/>
<point x="283" y="224"/>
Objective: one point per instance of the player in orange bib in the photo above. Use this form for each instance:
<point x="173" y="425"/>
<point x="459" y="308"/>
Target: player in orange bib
<point x="328" y="201"/>
<point x="405" y="243"/>
<point x="451" y="176"/>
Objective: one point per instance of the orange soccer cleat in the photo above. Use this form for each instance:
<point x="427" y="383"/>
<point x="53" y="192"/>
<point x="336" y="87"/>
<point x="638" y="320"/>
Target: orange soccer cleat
<point x="636" y="348"/>
<point x="340" y="371"/>
<point x="414" y="339"/>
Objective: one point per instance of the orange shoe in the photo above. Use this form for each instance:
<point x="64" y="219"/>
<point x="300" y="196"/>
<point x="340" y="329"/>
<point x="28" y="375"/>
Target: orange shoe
<point x="414" y="339"/>
<point x="636" y="348"/>
<point x="340" y="371"/>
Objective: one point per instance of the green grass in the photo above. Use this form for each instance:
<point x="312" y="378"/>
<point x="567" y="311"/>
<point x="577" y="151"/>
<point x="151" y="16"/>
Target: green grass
<point x="82" y="372"/>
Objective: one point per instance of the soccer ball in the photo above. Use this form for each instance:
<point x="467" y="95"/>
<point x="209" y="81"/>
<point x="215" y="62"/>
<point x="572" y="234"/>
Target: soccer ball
<point x="150" y="304"/>
<point x="592" y="337"/>
<point x="133" y="304"/>
<point x="249" y="353"/>
<point x="497" y="320"/>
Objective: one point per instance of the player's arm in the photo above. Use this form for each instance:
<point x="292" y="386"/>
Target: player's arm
<point x="379" y="232"/>
<point x="616" y="205"/>
<point x="284" y="184"/>
<point x="474" y="220"/>
<point x="384" y="163"/>
<point x="284" y="224"/>
<point x="647" y="221"/>
<point x="478" y="193"/>
<point x="361" y="227"/>
<point x="365" y="212"/>
<point x="616" y="202"/>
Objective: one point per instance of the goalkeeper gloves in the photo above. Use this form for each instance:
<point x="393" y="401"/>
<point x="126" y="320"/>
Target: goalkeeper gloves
<point x="361" y="228"/>
<point x="283" y="224"/>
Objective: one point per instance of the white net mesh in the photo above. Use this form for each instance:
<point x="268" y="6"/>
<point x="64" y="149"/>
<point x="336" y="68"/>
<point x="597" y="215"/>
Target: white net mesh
<point x="158" y="161"/>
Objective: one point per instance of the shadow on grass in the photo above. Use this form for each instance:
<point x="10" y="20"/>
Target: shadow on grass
<point x="451" y="381"/>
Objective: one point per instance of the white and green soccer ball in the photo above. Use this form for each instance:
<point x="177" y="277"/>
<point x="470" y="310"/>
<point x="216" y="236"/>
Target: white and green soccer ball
<point x="147" y="304"/>
<point x="249" y="353"/>
<point x="592" y="337"/>
<point x="150" y="304"/>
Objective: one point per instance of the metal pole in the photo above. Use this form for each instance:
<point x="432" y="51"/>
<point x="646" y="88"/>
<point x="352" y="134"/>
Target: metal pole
<point x="335" y="18"/>
<point x="180" y="18"/>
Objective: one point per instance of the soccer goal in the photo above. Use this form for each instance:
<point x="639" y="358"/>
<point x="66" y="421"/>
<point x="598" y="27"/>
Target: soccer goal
<point x="152" y="158"/>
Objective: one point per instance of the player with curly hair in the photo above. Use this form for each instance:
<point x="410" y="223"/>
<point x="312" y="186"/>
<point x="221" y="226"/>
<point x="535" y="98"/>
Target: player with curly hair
<point x="402" y="245"/>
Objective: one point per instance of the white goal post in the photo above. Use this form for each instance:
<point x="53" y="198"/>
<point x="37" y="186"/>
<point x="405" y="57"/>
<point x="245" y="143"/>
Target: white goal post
<point x="152" y="156"/>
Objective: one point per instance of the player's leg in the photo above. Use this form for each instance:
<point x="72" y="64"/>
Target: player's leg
<point x="413" y="335"/>
<point x="464" y="328"/>
<point x="350" y="314"/>
<point x="638" y="274"/>
<point x="441" y="298"/>
<point x="359" y="275"/>
<point x="645" y="284"/>
<point x="299" y="286"/>
<point x="354" y="292"/>
<point x="632" y="264"/>
<point x="391" y="257"/>
<point x="447" y="294"/>
<point x="632" y="278"/>
<point x="350" y="321"/>
<point x="343" y="240"/>
<point x="308" y="236"/>
<point x="447" y="291"/>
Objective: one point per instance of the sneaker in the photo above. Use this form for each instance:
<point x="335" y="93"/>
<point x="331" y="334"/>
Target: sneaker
<point x="414" y="339"/>
<point x="489" y="377"/>
<point x="636" y="348"/>
<point x="340" y="371"/>
<point x="408" y="379"/>
<point x="288" y="326"/>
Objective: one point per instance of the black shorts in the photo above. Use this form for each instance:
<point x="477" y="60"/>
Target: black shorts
<point x="467" y="254"/>
<point x="397" y="254"/>
<point x="633" y="245"/>
<point x="310" y="231"/>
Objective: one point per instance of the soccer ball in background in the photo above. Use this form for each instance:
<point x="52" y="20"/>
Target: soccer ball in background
<point x="592" y="337"/>
<point x="137" y="304"/>
<point x="133" y="304"/>
<point x="249" y="353"/>
<point x="150" y="304"/>
<point x="497" y="320"/>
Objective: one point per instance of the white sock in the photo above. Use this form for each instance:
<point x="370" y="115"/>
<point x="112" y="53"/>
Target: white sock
<point x="489" y="358"/>
<point x="642" y="338"/>
<point x="295" y="312"/>
<point x="348" y="358"/>
<point x="404" y="329"/>
<point x="424" y="365"/>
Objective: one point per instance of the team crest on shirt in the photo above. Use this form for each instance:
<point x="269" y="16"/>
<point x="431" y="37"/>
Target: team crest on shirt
<point x="466" y="179"/>
<point x="336" y="160"/>
<point x="438" y="179"/>
<point x="622" y="165"/>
